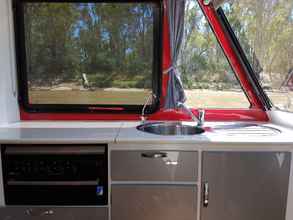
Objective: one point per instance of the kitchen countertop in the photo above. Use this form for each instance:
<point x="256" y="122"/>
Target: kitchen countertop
<point x="129" y="134"/>
<point x="59" y="132"/>
<point x="126" y="133"/>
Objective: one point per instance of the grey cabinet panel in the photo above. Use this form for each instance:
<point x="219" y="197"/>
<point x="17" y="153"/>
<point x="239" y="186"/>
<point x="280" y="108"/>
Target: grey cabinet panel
<point x="133" y="166"/>
<point x="48" y="213"/>
<point x="153" y="202"/>
<point x="246" y="185"/>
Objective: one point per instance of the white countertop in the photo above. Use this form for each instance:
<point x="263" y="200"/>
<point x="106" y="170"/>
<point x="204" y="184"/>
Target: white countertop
<point x="59" y="132"/>
<point x="129" y="134"/>
<point x="126" y="133"/>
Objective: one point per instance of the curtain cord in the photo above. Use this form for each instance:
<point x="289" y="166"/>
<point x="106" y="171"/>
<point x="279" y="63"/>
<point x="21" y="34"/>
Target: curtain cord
<point x="170" y="69"/>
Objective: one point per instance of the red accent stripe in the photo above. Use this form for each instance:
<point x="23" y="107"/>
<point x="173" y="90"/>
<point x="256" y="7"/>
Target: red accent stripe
<point x="170" y="115"/>
<point x="166" y="55"/>
<point x="106" y="108"/>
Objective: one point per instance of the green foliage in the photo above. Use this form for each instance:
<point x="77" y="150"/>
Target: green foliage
<point x="202" y="62"/>
<point x="113" y="43"/>
<point x="265" y="30"/>
<point x="99" y="80"/>
<point x="110" y="42"/>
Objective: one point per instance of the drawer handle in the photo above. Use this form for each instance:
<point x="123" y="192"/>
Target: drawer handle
<point x="38" y="212"/>
<point x="154" y="155"/>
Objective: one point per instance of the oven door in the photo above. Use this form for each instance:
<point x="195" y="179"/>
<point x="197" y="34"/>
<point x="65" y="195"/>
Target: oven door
<point x="55" y="175"/>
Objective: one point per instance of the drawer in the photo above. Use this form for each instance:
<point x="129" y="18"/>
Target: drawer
<point x="154" y="166"/>
<point x="154" y="202"/>
<point x="48" y="213"/>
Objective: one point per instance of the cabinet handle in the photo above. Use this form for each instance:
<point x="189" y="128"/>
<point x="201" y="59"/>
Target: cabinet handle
<point x="206" y="194"/>
<point x="39" y="212"/>
<point x="154" y="155"/>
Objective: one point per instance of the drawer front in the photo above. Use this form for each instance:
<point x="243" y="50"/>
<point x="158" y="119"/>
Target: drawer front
<point x="48" y="213"/>
<point x="149" y="202"/>
<point x="154" y="166"/>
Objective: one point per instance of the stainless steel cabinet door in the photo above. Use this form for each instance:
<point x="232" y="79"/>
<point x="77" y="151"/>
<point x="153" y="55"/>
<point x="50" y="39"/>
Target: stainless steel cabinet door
<point x="47" y="213"/>
<point x="245" y="185"/>
<point x="141" y="202"/>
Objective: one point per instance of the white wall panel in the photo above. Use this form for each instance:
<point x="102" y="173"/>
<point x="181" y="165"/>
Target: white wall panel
<point x="8" y="86"/>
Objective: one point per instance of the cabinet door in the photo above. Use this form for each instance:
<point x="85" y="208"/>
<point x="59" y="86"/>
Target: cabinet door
<point x="141" y="202"/>
<point x="54" y="213"/>
<point x="246" y="185"/>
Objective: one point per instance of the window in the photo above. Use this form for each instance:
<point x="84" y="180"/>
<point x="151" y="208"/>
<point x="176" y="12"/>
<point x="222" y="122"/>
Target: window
<point x="265" y="29"/>
<point x="207" y="75"/>
<point x="88" y="55"/>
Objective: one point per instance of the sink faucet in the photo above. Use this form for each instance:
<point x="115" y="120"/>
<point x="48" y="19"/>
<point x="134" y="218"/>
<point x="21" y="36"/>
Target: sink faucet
<point x="201" y="114"/>
<point x="143" y="117"/>
<point x="201" y="117"/>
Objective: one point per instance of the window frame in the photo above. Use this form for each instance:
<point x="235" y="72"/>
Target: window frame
<point x="20" y="48"/>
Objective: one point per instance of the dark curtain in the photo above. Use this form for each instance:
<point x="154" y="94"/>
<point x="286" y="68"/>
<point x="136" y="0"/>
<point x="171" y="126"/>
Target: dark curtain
<point x="175" y="93"/>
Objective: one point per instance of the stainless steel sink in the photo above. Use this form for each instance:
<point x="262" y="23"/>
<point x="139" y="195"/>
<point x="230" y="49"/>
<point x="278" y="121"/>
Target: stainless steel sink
<point x="170" y="128"/>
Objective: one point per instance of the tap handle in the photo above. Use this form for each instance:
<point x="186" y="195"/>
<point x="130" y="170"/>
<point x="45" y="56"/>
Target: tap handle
<point x="201" y="117"/>
<point x="152" y="98"/>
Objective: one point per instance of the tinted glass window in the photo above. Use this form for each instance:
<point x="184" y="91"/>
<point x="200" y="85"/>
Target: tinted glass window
<point x="265" y="29"/>
<point x="209" y="80"/>
<point x="89" y="53"/>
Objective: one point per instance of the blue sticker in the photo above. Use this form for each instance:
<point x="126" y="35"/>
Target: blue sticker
<point x="100" y="190"/>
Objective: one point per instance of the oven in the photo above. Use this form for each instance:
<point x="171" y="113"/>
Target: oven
<point x="65" y="175"/>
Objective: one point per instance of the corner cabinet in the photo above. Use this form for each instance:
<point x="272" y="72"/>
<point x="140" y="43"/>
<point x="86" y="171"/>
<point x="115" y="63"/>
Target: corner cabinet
<point x="245" y="185"/>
